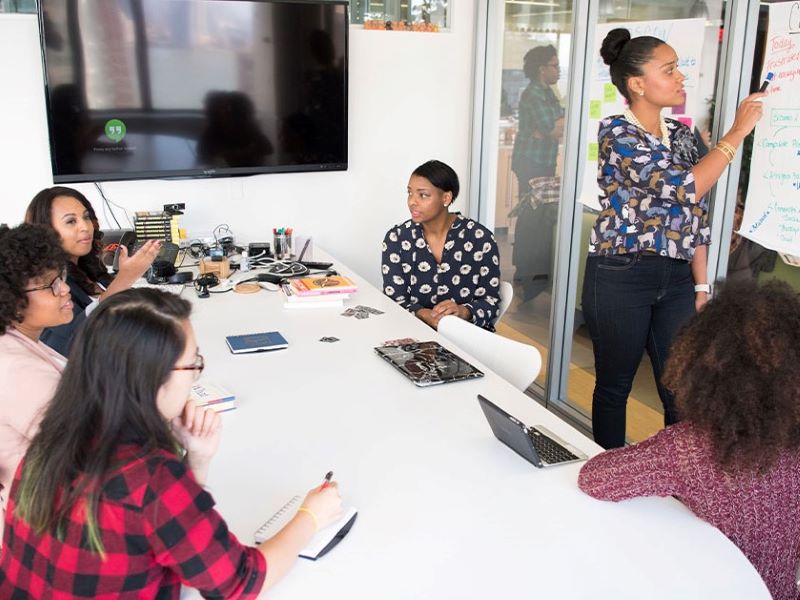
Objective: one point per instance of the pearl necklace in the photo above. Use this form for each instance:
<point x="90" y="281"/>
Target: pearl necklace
<point x="631" y="118"/>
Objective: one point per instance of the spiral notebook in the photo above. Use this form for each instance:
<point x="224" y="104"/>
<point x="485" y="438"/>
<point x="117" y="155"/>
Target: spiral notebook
<point x="322" y="542"/>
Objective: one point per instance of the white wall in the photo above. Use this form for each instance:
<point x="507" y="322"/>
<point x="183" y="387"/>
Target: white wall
<point x="410" y="100"/>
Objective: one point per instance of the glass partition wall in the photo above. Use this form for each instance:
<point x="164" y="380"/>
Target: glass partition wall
<point x="545" y="90"/>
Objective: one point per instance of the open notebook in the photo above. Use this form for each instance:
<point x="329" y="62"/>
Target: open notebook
<point x="322" y="542"/>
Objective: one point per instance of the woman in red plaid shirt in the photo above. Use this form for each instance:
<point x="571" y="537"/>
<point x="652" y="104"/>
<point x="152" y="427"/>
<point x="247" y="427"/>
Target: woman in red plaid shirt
<point x="103" y="505"/>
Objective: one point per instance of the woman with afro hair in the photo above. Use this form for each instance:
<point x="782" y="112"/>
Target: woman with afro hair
<point x="734" y="459"/>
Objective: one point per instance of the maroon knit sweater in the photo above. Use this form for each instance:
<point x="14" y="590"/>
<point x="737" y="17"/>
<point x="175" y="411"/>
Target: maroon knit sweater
<point x="759" y="513"/>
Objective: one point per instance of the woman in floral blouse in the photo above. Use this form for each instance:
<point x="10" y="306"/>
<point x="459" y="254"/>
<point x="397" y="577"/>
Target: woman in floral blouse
<point x="647" y="268"/>
<point x="440" y="263"/>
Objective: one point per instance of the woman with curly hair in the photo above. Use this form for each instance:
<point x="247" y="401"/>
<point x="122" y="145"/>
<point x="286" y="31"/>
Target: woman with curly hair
<point x="734" y="460"/>
<point x="647" y="268"/>
<point x="33" y="296"/>
<point x="67" y="212"/>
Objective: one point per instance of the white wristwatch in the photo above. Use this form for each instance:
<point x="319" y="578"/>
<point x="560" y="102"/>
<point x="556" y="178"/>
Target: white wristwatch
<point x="703" y="287"/>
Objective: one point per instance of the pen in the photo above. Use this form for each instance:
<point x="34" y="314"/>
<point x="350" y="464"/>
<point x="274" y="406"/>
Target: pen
<point x="767" y="79"/>
<point x="325" y="483"/>
<point x="303" y="251"/>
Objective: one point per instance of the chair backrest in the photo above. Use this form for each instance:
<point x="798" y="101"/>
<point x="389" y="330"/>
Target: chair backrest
<point x="506" y="295"/>
<point x="517" y="363"/>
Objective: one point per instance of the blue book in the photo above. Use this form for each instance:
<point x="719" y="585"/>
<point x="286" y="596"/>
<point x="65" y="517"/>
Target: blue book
<point x="256" y="342"/>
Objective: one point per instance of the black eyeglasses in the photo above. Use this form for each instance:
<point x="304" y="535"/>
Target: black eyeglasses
<point x="55" y="285"/>
<point x="197" y="366"/>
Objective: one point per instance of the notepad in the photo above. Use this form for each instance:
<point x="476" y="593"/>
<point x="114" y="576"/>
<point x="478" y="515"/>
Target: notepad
<point x="322" y="542"/>
<point x="256" y="342"/>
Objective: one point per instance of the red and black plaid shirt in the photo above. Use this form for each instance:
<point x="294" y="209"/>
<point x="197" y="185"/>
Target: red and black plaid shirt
<point x="159" y="530"/>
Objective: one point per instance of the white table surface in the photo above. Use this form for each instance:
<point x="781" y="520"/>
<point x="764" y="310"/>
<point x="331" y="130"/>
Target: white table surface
<point x="445" y="510"/>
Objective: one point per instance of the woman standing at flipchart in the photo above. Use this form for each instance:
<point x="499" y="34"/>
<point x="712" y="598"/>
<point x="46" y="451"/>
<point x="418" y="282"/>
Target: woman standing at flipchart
<point x="647" y="268"/>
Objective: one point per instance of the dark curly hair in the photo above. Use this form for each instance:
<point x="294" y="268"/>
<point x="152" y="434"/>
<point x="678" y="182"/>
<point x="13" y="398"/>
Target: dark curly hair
<point x="535" y="58"/>
<point x="26" y="252"/>
<point x="734" y="371"/>
<point x="625" y="56"/>
<point x="90" y="269"/>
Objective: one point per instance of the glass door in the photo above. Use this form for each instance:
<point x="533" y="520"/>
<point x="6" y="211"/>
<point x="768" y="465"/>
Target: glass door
<point x="537" y="183"/>
<point x="536" y="42"/>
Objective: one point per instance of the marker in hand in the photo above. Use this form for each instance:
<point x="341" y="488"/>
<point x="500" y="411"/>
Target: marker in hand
<point x="767" y="80"/>
<point x="327" y="481"/>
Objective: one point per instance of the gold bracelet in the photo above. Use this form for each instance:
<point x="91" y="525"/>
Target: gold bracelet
<point x="725" y="151"/>
<point x="727" y="146"/>
<point x="313" y="516"/>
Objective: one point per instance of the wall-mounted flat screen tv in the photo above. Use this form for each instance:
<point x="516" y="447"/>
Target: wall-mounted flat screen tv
<point x="194" y="88"/>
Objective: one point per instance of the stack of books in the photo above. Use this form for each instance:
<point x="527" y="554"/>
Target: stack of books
<point x="318" y="292"/>
<point x="156" y="225"/>
<point x="211" y="395"/>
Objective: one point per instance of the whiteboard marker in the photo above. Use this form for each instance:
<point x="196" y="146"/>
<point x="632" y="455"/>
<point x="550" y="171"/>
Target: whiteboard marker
<point x="767" y="79"/>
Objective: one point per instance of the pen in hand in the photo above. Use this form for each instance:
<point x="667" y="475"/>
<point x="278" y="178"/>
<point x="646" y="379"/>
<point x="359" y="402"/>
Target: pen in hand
<point x="325" y="483"/>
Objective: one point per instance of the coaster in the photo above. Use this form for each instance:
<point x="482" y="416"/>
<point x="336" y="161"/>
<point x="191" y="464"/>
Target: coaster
<point x="247" y="288"/>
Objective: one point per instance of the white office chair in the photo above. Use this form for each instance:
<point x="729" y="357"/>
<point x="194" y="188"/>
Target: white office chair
<point x="506" y="296"/>
<point x="517" y="363"/>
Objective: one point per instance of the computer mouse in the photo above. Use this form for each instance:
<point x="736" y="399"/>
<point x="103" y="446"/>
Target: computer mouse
<point x="270" y="287"/>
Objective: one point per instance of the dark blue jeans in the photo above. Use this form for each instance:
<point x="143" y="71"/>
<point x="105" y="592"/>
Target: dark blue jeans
<point x="632" y="302"/>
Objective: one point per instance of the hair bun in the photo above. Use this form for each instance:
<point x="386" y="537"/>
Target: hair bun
<point x="613" y="44"/>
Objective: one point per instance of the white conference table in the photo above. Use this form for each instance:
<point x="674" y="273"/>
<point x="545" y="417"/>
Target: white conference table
<point x="445" y="510"/>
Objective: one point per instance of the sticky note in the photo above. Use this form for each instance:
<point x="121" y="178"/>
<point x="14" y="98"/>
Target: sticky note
<point x="595" y="109"/>
<point x="593" y="151"/>
<point x="609" y="92"/>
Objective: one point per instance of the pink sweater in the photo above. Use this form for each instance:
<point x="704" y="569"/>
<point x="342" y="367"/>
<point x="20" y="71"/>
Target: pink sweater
<point x="29" y="374"/>
<point x="760" y="514"/>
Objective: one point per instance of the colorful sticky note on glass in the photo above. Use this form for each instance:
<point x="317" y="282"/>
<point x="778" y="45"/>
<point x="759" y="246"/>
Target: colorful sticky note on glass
<point x="609" y="93"/>
<point x="593" y="151"/>
<point x="595" y="109"/>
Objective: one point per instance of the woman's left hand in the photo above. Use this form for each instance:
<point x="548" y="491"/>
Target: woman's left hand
<point x="449" y="307"/>
<point x="700" y="300"/>
<point x="198" y="430"/>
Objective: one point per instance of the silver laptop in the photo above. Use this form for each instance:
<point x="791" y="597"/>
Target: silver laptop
<point x="535" y="444"/>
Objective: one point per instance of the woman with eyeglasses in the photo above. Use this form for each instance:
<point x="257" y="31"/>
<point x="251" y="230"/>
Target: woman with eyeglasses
<point x="67" y="212"/>
<point x="109" y="499"/>
<point x="33" y="296"/>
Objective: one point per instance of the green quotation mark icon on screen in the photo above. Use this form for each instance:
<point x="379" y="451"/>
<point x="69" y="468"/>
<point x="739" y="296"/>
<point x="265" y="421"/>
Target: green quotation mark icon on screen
<point x="115" y="130"/>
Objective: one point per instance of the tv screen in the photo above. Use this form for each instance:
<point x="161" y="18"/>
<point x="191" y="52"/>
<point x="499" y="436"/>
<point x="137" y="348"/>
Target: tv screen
<point x="194" y="88"/>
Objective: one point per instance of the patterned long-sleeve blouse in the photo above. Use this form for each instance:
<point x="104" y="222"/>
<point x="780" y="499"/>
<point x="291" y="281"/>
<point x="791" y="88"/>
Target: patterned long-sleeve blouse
<point x="648" y="195"/>
<point x="469" y="272"/>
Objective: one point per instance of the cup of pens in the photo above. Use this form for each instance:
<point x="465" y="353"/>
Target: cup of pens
<point x="282" y="243"/>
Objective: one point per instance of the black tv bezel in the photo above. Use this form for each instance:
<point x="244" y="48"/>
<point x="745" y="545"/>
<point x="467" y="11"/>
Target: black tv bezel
<point x="177" y="174"/>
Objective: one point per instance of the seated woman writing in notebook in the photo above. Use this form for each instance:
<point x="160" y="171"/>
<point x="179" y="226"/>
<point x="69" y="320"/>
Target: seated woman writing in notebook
<point x="734" y="459"/>
<point x="105" y="503"/>
<point x="440" y="263"/>
<point x="33" y="296"/>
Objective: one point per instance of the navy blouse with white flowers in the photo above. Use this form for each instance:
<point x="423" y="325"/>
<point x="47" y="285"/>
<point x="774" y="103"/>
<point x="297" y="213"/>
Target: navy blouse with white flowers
<point x="469" y="272"/>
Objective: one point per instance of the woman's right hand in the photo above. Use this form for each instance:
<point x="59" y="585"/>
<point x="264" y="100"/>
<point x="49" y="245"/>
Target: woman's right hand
<point x="748" y="114"/>
<point x="325" y="503"/>
<point x="134" y="267"/>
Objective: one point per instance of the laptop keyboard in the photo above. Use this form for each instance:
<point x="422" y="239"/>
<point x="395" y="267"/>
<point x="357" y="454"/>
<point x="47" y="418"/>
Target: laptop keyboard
<point x="549" y="450"/>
